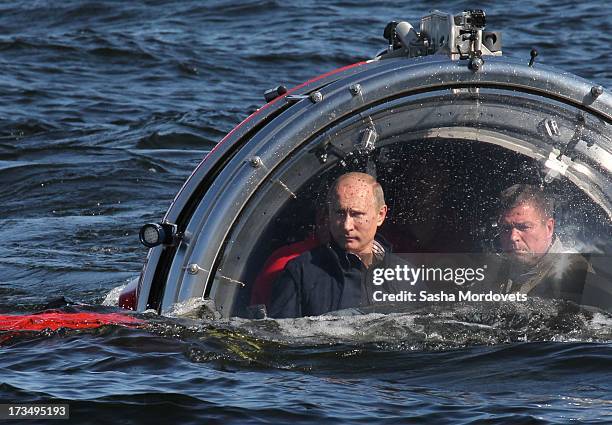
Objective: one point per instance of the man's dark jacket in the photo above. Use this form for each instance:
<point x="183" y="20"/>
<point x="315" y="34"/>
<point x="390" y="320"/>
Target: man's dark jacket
<point x="326" y="279"/>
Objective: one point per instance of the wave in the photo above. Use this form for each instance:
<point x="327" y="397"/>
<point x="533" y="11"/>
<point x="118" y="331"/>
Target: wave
<point x="31" y="43"/>
<point x="177" y="140"/>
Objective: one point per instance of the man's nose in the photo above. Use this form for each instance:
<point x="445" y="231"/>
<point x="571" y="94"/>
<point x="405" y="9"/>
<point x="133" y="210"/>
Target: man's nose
<point x="515" y="234"/>
<point x="348" y="222"/>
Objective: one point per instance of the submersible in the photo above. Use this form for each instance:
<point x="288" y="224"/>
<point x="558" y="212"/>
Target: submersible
<point x="442" y="119"/>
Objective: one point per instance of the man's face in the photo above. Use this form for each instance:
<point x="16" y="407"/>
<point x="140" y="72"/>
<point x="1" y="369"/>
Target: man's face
<point x="526" y="233"/>
<point x="354" y="216"/>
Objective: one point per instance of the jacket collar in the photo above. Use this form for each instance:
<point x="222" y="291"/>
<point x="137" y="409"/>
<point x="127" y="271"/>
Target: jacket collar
<point x="348" y="259"/>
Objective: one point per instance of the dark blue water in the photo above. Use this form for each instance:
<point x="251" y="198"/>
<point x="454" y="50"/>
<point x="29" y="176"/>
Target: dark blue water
<point x="108" y="106"/>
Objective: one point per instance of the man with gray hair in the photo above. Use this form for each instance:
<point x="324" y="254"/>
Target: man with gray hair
<point x="538" y="263"/>
<point x="337" y="275"/>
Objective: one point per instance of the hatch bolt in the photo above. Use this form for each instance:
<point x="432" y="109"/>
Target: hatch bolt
<point x="194" y="268"/>
<point x="316" y="97"/>
<point x="256" y="162"/>
<point x="475" y="63"/>
<point x="597" y="91"/>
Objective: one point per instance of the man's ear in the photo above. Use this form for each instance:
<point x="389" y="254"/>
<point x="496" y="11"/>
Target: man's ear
<point x="550" y="227"/>
<point x="382" y="214"/>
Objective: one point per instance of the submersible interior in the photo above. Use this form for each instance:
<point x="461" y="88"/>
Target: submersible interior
<point x="442" y="136"/>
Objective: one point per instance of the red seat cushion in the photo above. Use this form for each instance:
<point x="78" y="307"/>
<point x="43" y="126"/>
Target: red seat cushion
<point x="275" y="264"/>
